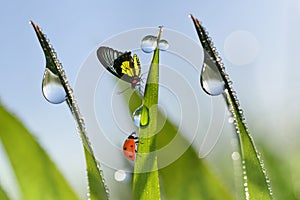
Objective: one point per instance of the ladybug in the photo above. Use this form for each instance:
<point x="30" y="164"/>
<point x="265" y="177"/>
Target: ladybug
<point x="130" y="146"/>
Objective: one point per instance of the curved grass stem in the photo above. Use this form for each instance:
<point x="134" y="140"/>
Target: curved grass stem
<point x="256" y="181"/>
<point x="97" y="187"/>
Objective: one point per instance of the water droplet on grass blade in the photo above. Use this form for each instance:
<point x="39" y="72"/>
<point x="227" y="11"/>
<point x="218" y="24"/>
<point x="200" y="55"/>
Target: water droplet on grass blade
<point x="149" y="43"/>
<point x="52" y="88"/>
<point x="211" y="80"/>
<point x="163" y="45"/>
<point x="230" y="119"/>
<point x="141" y="117"/>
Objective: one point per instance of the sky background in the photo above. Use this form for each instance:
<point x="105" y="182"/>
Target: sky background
<point x="263" y="64"/>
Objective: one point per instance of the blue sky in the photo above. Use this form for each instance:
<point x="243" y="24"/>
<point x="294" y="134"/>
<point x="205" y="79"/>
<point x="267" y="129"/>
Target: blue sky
<point x="267" y="87"/>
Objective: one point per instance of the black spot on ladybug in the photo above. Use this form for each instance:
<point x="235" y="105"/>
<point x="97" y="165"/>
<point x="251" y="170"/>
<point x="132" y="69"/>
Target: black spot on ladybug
<point x="124" y="148"/>
<point x="131" y="145"/>
<point x="130" y="156"/>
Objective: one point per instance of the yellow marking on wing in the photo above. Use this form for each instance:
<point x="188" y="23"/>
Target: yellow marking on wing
<point x="136" y="65"/>
<point x="126" y="69"/>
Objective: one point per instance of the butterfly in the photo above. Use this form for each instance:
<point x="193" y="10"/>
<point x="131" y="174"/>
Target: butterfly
<point x="122" y="65"/>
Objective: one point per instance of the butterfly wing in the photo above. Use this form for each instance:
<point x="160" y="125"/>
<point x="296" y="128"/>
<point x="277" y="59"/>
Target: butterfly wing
<point x="122" y="65"/>
<point x="136" y="65"/>
<point x="107" y="56"/>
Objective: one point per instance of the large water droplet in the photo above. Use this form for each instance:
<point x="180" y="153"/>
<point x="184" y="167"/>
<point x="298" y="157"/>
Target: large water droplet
<point x="141" y="117"/>
<point x="52" y="88"/>
<point x="149" y="43"/>
<point x="163" y="45"/>
<point x="211" y="79"/>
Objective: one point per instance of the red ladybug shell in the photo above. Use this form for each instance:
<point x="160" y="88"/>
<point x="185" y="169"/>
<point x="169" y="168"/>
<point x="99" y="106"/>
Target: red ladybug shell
<point x="129" y="147"/>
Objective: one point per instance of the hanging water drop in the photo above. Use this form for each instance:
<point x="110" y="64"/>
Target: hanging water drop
<point x="163" y="45"/>
<point x="211" y="80"/>
<point x="149" y="43"/>
<point x="141" y="117"/>
<point x="52" y="88"/>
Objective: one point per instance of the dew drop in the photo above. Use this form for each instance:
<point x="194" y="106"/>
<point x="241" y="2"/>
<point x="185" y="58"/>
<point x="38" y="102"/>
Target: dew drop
<point x="163" y="45"/>
<point x="52" y="88"/>
<point x="210" y="78"/>
<point x="230" y="119"/>
<point x="141" y="117"/>
<point x="149" y="43"/>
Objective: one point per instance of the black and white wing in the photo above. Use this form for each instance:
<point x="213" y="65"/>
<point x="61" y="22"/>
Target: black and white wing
<point x="107" y="56"/>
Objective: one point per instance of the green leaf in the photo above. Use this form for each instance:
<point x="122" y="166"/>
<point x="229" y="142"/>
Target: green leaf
<point x="255" y="177"/>
<point x="37" y="175"/>
<point x="256" y="182"/>
<point x="97" y="187"/>
<point x="96" y="184"/>
<point x="3" y="195"/>
<point x="188" y="177"/>
<point x="145" y="179"/>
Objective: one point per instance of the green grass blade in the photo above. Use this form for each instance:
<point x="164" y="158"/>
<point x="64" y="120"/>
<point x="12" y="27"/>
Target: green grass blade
<point x="145" y="179"/>
<point x="3" y="195"/>
<point x="255" y="177"/>
<point x="97" y="187"/>
<point x="37" y="175"/>
<point x="95" y="183"/>
<point x="256" y="182"/>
